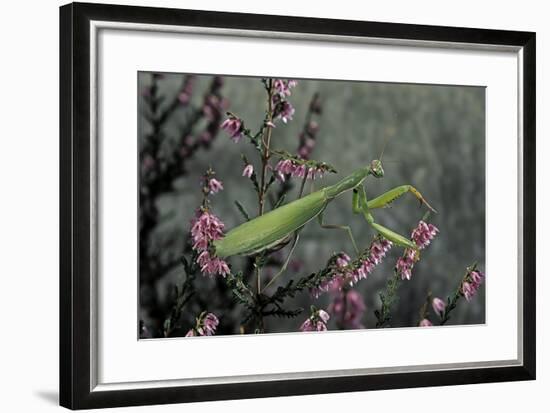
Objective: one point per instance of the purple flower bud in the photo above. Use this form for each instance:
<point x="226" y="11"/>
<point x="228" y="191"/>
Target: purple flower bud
<point x="282" y="87"/>
<point x="343" y="260"/>
<point x="323" y="315"/>
<point x="423" y="234"/>
<point x="468" y="290"/>
<point x="284" y="111"/>
<point x="425" y="323"/>
<point x="471" y="284"/>
<point x="205" y="229"/>
<point x="312" y="127"/>
<point x="210" y="323"/>
<point x="233" y="126"/>
<point x="184" y="98"/>
<point x="306" y="325"/>
<point x="206" y="326"/>
<point x="316" y="322"/>
<point x="309" y="143"/>
<point x="438" y="305"/>
<point x="248" y="170"/>
<point x="348" y="308"/>
<point x="215" y="186"/>
<point x="477" y="277"/>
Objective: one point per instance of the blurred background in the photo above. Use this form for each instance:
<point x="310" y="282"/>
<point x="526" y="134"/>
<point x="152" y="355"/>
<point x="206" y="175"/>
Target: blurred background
<point x="436" y="142"/>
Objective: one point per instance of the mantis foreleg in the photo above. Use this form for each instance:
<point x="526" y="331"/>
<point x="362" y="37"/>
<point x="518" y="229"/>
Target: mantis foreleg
<point x="361" y="204"/>
<point x="343" y="227"/>
<point x="388" y="197"/>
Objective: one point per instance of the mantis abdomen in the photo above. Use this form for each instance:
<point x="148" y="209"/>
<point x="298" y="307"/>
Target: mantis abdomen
<point x="271" y="228"/>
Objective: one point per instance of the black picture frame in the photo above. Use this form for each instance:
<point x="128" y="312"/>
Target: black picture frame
<point x="75" y="219"/>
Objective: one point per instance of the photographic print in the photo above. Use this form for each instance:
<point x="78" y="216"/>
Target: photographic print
<point x="351" y="200"/>
<point x="274" y="205"/>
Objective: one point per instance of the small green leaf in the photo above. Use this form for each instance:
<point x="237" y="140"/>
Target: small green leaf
<point x="242" y="210"/>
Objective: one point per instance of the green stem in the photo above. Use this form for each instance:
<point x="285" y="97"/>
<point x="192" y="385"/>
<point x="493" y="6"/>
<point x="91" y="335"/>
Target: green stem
<point x="389" y="297"/>
<point x="452" y="302"/>
<point x="266" y="141"/>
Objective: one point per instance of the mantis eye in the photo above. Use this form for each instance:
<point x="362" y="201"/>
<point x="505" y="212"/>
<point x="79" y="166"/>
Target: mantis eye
<point x="376" y="168"/>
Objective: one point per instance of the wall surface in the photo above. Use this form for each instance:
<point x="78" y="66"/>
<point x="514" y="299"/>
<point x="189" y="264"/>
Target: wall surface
<point x="29" y="207"/>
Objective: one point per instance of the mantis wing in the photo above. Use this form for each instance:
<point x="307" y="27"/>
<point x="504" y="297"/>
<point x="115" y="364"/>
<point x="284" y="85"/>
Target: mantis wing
<point x="269" y="229"/>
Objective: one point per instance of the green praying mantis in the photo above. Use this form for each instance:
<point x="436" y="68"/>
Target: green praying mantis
<point x="279" y="225"/>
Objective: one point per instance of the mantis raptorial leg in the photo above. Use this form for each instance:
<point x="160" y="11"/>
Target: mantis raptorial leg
<point x="388" y="197"/>
<point x="361" y="204"/>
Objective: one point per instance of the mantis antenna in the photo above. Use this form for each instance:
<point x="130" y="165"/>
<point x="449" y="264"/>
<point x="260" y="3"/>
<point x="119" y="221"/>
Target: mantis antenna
<point x="384" y="147"/>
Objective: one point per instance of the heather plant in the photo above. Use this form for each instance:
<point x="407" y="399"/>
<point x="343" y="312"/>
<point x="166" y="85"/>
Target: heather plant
<point x="275" y="224"/>
<point x="164" y="156"/>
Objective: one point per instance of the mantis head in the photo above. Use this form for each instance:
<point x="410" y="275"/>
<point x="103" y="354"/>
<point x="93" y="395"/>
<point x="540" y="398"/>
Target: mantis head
<point x="376" y="169"/>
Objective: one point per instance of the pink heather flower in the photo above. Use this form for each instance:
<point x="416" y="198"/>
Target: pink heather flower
<point x="212" y="265"/>
<point x="282" y="87"/>
<point x="438" y="305"/>
<point x="320" y="326"/>
<point x="343" y="260"/>
<point x="289" y="167"/>
<point x="406" y="263"/>
<point x="336" y="282"/>
<point x="472" y="284"/>
<point x="184" y="98"/>
<point x="210" y="323"/>
<point x="307" y="325"/>
<point x="309" y="143"/>
<point x="285" y="166"/>
<point x="248" y="170"/>
<point x="323" y="315"/>
<point x="233" y="126"/>
<point x="348" y="272"/>
<point x="280" y="177"/>
<point x="477" y="277"/>
<point x="349" y="308"/>
<point x="283" y="110"/>
<point x="312" y="128"/>
<point x="206" y="325"/>
<point x="378" y="250"/>
<point x="215" y="186"/>
<point x="316" y="322"/>
<point x="304" y="152"/>
<point x="423" y="234"/>
<point x="425" y="323"/>
<point x="468" y="290"/>
<point x="333" y="284"/>
<point x="205" y="228"/>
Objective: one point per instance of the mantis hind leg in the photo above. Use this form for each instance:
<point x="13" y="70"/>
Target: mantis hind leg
<point x="388" y="197"/>
<point x="342" y="227"/>
<point x="360" y="204"/>
<point x="287" y="260"/>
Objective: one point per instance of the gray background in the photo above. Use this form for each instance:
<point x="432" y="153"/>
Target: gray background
<point x="436" y="143"/>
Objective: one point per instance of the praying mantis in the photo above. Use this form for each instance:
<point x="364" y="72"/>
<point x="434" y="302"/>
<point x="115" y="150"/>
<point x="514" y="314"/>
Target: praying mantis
<point x="275" y="227"/>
